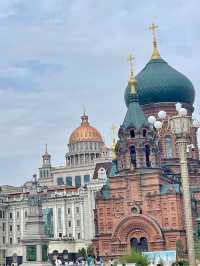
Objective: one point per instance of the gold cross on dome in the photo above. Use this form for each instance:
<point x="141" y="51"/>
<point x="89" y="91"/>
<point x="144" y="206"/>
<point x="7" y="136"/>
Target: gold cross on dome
<point x="130" y="60"/>
<point x="153" y="28"/>
<point x="155" y="54"/>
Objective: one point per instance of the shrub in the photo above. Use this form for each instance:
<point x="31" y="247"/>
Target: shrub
<point x="180" y="263"/>
<point x="134" y="257"/>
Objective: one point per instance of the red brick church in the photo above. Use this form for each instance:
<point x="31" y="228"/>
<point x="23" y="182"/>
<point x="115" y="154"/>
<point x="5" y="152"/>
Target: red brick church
<point x="141" y="205"/>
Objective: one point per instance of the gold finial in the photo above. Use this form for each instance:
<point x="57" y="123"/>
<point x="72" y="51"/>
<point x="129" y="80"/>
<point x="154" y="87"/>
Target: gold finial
<point x="84" y="117"/>
<point x="114" y="130"/>
<point x="132" y="81"/>
<point x="114" y="156"/>
<point x="155" y="54"/>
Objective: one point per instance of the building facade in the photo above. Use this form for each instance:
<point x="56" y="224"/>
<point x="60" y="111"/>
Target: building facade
<point x="141" y="206"/>
<point x="67" y="195"/>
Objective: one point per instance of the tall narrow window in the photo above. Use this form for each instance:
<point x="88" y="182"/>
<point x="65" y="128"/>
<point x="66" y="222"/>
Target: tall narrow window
<point x="143" y="244"/>
<point x="86" y="179"/>
<point x="133" y="155"/>
<point x="69" y="181"/>
<point x="132" y="133"/>
<point x="60" y="181"/>
<point x="134" y="243"/>
<point x="147" y="155"/>
<point x="168" y="147"/>
<point x="77" y="181"/>
<point x="144" y="133"/>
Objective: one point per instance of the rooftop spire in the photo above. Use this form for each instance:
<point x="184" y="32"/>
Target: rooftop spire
<point x="132" y="81"/>
<point x="84" y="117"/>
<point x="46" y="157"/>
<point x="155" y="54"/>
<point x="46" y="150"/>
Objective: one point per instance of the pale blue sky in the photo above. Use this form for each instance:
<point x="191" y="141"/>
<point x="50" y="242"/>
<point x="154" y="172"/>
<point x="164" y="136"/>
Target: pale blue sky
<point x="58" y="55"/>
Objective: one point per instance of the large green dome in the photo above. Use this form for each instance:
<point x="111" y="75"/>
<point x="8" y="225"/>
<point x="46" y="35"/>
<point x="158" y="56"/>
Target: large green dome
<point x="159" y="82"/>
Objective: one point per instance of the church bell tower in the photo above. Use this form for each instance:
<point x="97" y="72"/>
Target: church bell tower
<point x="138" y="144"/>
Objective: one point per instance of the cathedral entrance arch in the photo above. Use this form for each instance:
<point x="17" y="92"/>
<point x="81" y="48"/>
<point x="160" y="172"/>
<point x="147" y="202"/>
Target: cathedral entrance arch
<point x="140" y="232"/>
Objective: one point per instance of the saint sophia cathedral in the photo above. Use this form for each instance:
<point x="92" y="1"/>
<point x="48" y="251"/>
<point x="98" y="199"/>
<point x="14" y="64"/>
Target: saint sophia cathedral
<point x="141" y="206"/>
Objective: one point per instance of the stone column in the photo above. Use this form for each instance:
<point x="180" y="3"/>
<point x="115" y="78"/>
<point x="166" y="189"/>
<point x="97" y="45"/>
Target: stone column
<point x="82" y="180"/>
<point x="89" y="215"/>
<point x="55" y="222"/>
<point x="84" y="159"/>
<point x="82" y="221"/>
<point x="22" y="222"/>
<point x="14" y="227"/>
<point x="1" y="257"/>
<point x="182" y="147"/>
<point x="63" y="220"/>
<point x="7" y="225"/>
<point x="73" y="221"/>
<point x="78" y="159"/>
<point x="24" y="253"/>
<point x="39" y="253"/>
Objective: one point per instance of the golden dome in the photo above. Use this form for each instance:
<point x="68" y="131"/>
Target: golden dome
<point x="85" y="132"/>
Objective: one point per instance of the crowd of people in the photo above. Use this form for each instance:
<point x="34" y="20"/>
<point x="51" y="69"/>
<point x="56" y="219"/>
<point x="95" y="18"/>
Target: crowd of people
<point x="89" y="261"/>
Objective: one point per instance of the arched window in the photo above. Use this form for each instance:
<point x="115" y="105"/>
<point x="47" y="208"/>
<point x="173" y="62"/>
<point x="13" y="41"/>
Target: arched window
<point x="168" y="147"/>
<point x="133" y="155"/>
<point x="55" y="252"/>
<point x="147" y="155"/>
<point x="132" y="133"/>
<point x="65" y="254"/>
<point x="102" y="173"/>
<point x="140" y="245"/>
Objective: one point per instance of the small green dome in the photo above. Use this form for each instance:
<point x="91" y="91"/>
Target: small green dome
<point x="159" y="82"/>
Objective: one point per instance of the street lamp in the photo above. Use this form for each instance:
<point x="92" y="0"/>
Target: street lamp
<point x="181" y="126"/>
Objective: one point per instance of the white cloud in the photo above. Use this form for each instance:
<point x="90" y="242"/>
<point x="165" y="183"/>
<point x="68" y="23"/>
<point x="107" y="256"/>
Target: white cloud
<point x="57" y="55"/>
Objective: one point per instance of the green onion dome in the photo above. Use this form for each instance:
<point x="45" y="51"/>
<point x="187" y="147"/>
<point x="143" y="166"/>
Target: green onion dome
<point x="158" y="82"/>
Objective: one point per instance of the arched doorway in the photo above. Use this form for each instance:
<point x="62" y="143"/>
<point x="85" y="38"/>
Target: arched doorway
<point x="140" y="244"/>
<point x="139" y="227"/>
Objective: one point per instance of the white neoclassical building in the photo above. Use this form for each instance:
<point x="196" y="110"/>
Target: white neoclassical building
<point x="67" y="193"/>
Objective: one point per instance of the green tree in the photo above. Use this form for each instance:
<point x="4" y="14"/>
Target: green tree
<point x="134" y="257"/>
<point x="197" y="249"/>
<point x="180" y="252"/>
<point x="90" y="251"/>
<point x="82" y="253"/>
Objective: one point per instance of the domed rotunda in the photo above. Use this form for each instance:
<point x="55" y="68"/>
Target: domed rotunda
<point x="85" y="144"/>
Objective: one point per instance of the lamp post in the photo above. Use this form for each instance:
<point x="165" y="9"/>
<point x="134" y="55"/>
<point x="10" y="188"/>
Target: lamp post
<point x="181" y="126"/>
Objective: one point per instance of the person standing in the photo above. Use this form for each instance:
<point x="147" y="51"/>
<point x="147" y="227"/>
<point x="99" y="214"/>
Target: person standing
<point x="90" y="260"/>
<point x="111" y="262"/>
<point x="58" y="262"/>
